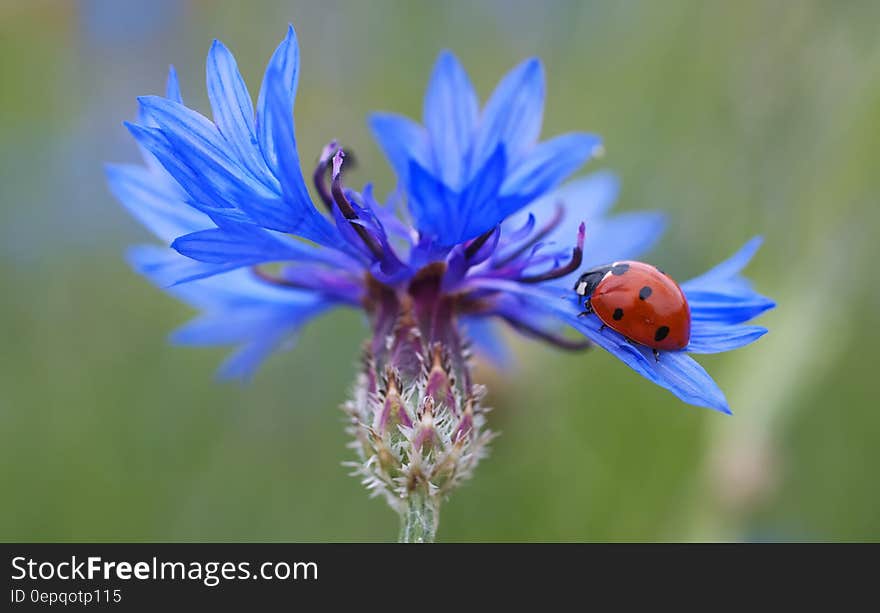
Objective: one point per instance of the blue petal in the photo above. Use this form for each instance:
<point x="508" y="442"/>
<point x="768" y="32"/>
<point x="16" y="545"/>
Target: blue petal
<point x="513" y="115"/>
<point x="450" y="116"/>
<point x="259" y="328"/>
<point x="431" y="203"/>
<point x="722" y="295"/>
<point x="622" y="237"/>
<point x="717" y="338"/>
<point x="684" y="377"/>
<point x="234" y="289"/>
<point x="282" y="75"/>
<point x="585" y="199"/>
<point x="726" y="270"/>
<point x="221" y="176"/>
<point x="172" y="92"/>
<point x="166" y="268"/>
<point x="172" y="86"/>
<point x="238" y="309"/>
<point x="195" y="135"/>
<point x="158" y="205"/>
<point x="238" y="324"/>
<point x="485" y="336"/>
<point x="403" y="142"/>
<point x="201" y="196"/>
<point x="449" y="218"/>
<point x="194" y="153"/>
<point x="234" y="111"/>
<point x="480" y="208"/>
<point x="243" y="363"/>
<point x="303" y="218"/>
<point x="240" y="245"/>
<point x="549" y="163"/>
<point x="726" y="308"/>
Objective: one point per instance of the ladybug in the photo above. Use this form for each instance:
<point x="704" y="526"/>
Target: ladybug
<point x="639" y="301"/>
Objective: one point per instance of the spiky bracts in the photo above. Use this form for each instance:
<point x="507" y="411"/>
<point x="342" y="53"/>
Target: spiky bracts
<point x="417" y="419"/>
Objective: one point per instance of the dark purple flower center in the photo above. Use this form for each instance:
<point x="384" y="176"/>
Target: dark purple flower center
<point x="434" y="286"/>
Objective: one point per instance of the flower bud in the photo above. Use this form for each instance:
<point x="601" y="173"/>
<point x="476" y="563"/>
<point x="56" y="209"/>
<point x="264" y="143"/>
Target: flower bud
<point x="417" y="421"/>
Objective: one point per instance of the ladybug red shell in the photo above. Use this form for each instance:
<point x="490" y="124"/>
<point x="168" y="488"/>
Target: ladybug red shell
<point x="639" y="301"/>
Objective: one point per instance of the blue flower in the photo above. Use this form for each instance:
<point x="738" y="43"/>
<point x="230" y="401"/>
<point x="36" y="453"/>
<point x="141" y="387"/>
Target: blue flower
<point x="481" y="230"/>
<point x="466" y="171"/>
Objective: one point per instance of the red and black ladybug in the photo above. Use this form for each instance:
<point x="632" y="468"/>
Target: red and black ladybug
<point x="639" y="301"/>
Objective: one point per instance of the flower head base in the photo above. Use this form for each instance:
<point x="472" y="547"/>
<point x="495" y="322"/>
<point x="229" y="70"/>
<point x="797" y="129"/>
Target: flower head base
<point x="416" y="416"/>
<point x="480" y="232"/>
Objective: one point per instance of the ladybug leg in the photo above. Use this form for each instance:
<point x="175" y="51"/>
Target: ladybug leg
<point x="656" y="355"/>
<point x="602" y="327"/>
<point x="588" y="308"/>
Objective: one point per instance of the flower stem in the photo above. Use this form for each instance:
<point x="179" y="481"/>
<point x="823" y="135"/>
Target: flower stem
<point x="419" y="518"/>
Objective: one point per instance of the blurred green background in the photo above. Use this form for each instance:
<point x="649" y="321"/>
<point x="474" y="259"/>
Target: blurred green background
<point x="737" y="118"/>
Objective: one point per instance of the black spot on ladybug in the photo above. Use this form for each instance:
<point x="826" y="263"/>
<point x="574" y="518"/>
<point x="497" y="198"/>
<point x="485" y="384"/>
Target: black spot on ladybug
<point x="617" y="315"/>
<point x="619" y="269"/>
<point x="662" y="332"/>
<point x="644" y="293"/>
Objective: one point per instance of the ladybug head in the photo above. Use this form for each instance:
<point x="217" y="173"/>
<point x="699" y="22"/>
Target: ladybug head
<point x="588" y="281"/>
